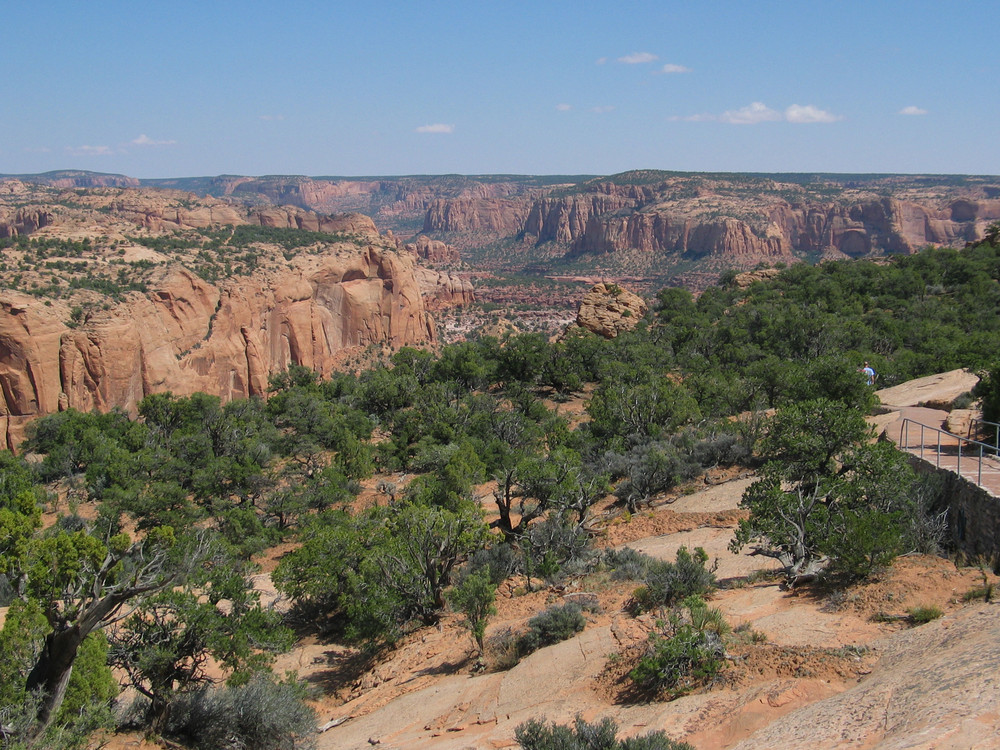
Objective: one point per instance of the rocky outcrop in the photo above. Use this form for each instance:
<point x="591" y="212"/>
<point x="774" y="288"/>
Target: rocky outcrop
<point x="748" y="278"/>
<point x="433" y="251"/>
<point x="607" y="310"/>
<point x="442" y="290"/>
<point x="187" y="335"/>
<point x="23" y="220"/>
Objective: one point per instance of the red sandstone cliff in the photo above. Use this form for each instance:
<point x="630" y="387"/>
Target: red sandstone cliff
<point x="433" y="251"/>
<point x="187" y="335"/>
<point x="696" y="218"/>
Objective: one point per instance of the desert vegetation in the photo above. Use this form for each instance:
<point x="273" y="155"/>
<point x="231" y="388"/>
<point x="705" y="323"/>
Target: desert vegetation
<point x="140" y="574"/>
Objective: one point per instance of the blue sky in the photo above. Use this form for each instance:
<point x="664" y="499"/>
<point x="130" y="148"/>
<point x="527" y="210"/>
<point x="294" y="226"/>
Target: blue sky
<point x="157" y="89"/>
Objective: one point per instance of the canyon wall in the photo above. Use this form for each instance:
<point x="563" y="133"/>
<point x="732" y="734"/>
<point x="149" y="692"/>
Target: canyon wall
<point x="609" y="218"/>
<point x="187" y="335"/>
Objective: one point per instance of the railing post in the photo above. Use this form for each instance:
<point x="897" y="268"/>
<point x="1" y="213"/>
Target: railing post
<point x="904" y="437"/>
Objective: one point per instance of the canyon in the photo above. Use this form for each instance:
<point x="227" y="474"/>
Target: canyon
<point x="391" y="255"/>
<point x="75" y="335"/>
<point x="712" y="220"/>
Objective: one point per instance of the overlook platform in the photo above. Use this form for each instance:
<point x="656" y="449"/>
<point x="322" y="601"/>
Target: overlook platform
<point x="918" y="422"/>
<point x="922" y="433"/>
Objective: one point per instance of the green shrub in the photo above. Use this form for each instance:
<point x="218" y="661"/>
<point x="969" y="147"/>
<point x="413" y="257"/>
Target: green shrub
<point x="678" y="663"/>
<point x="537" y="735"/>
<point x="263" y="715"/>
<point x="473" y="596"/>
<point x="666" y="583"/>
<point x="551" y="626"/>
<point x="921" y="615"/>
<point x="988" y="391"/>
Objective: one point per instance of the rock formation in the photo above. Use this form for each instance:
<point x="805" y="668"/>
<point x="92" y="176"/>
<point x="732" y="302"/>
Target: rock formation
<point x="187" y="335"/>
<point x="441" y="289"/>
<point x="747" y="278"/>
<point x="607" y="310"/>
<point x="433" y="251"/>
<point x="23" y="220"/>
<point x="493" y="216"/>
<point x="725" y="219"/>
<point x="184" y="334"/>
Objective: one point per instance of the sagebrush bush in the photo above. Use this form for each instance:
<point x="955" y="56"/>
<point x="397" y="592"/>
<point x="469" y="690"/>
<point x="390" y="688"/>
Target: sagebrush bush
<point x="499" y="562"/>
<point x="553" y="625"/>
<point x="556" y="548"/>
<point x="724" y="449"/>
<point x="626" y="564"/>
<point x="666" y="583"/>
<point x="650" y="469"/>
<point x="537" y="735"/>
<point x="260" y="715"/>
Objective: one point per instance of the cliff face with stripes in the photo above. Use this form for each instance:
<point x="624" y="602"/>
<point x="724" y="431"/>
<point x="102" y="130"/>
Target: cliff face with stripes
<point x="92" y="318"/>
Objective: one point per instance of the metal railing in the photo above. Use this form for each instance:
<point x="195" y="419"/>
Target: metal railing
<point x="975" y="450"/>
<point x="994" y="425"/>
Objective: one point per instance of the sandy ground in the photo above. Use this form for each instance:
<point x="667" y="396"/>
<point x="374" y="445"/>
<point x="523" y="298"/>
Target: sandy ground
<point x="816" y="646"/>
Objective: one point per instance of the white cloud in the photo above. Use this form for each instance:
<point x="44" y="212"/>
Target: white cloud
<point x="436" y="128"/>
<point x="564" y="107"/>
<point x="912" y="110"/>
<point x="808" y="113"/>
<point x="89" y="150"/>
<point x="603" y="109"/>
<point x="758" y="112"/>
<point x="145" y="140"/>
<point x="269" y="118"/>
<point x="672" y="68"/>
<point x="704" y="117"/>
<point x="637" y="58"/>
<point x="750" y="114"/>
<point x="601" y="60"/>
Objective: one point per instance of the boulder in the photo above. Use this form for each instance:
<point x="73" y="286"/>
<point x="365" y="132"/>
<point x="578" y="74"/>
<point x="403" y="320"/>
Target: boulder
<point x="607" y="310"/>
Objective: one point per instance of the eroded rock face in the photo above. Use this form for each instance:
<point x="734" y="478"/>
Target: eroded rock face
<point x="494" y="216"/>
<point x="433" y="251"/>
<point x="701" y="220"/>
<point x="607" y="310"/>
<point x="441" y="289"/>
<point x="23" y="221"/>
<point x="187" y="335"/>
